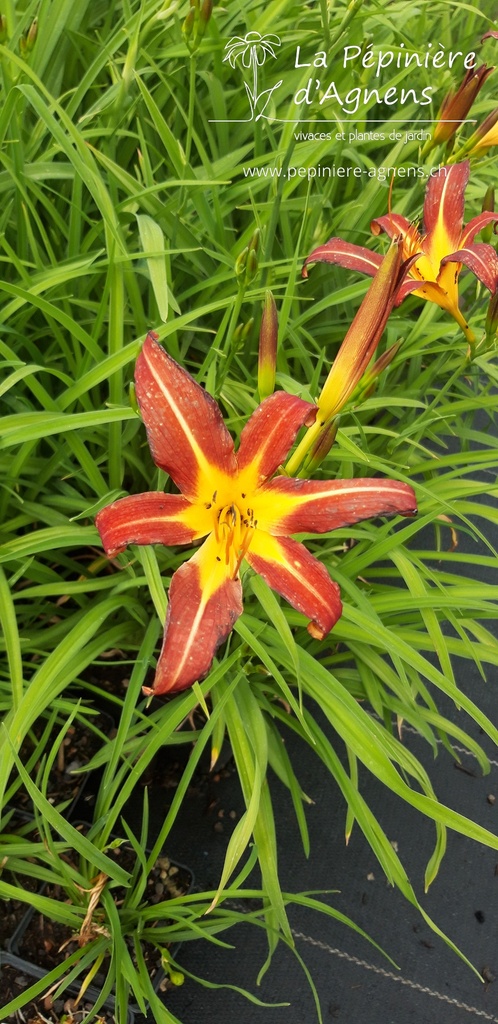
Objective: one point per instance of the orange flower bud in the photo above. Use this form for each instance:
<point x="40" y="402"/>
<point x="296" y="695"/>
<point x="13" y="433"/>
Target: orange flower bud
<point x="456" y="105"/>
<point x="364" y="334"/>
<point x="355" y="353"/>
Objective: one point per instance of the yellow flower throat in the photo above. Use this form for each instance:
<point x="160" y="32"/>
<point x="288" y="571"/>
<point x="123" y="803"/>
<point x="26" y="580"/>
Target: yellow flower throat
<point x="233" y="531"/>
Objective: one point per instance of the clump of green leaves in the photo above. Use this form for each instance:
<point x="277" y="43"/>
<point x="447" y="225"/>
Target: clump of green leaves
<point x="126" y="205"/>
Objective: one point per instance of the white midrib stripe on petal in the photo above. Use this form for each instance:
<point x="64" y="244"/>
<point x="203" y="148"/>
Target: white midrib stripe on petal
<point x="204" y="465"/>
<point x="302" y="499"/>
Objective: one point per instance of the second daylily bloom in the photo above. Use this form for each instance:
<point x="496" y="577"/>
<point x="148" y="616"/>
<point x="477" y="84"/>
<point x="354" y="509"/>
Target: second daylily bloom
<point x="229" y="499"/>
<point x="445" y="244"/>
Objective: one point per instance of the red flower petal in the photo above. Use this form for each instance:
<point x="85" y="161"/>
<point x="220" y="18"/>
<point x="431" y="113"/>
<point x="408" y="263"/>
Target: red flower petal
<point x="204" y="603"/>
<point x="317" y="506"/>
<point x="270" y="432"/>
<point x="481" y="259"/>
<point x="353" y="257"/>
<point x="185" y="428"/>
<point x="444" y="207"/>
<point x="292" y="572"/>
<point x="152" y="518"/>
<point x="475" y="226"/>
<point x="394" y="225"/>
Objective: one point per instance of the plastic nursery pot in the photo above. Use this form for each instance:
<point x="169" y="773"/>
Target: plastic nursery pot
<point x="17" y="976"/>
<point x="39" y="942"/>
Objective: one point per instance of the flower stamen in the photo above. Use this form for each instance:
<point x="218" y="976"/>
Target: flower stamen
<point x="233" y="533"/>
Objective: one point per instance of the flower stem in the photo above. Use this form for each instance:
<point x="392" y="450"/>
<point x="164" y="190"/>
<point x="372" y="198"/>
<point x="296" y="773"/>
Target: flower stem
<point x="297" y="458"/>
<point x="461" y="321"/>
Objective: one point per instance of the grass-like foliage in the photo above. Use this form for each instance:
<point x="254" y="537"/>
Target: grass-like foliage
<point x="147" y="182"/>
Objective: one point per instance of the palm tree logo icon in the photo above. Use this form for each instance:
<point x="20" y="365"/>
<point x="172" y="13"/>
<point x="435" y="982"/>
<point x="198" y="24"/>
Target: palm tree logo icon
<point x="253" y="49"/>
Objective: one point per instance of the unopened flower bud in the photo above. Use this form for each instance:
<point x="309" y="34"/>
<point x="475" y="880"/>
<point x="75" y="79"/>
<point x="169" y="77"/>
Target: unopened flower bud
<point x="491" y="325"/>
<point x="206" y="12"/>
<point x="246" y="264"/>
<point x="247" y="328"/>
<point x="364" y="334"/>
<point x="242" y="331"/>
<point x="133" y="398"/>
<point x="188" y="27"/>
<point x="4" y="35"/>
<point x="196" y="22"/>
<point x="267" y="356"/>
<point x="357" y="349"/>
<point x="32" y="34"/>
<point x="456" y="106"/>
<point x="176" y="978"/>
<point x="488" y="206"/>
<point x="370" y="379"/>
<point x="488" y="203"/>
<point x="27" y="42"/>
<point x="255" y="240"/>
<point x="240" y="262"/>
<point x="322" y="445"/>
<point x="251" y="265"/>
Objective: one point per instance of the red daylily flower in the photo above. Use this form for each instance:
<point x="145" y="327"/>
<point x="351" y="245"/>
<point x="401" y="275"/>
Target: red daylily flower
<point x="230" y="499"/>
<point x="444" y="241"/>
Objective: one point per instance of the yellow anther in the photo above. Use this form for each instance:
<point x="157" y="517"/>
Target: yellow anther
<point x="233" y="533"/>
